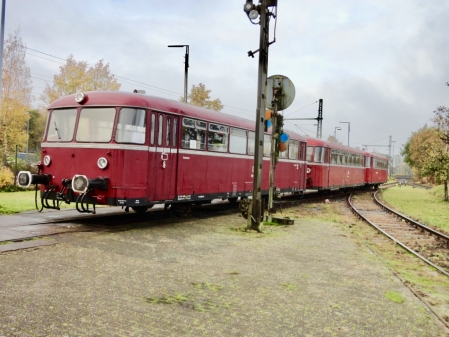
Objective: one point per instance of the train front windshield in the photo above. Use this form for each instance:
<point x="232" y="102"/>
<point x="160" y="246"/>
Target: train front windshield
<point x="95" y="125"/>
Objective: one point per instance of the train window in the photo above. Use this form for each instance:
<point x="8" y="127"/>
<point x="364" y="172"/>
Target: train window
<point x="217" y="139"/>
<point x="95" y="125"/>
<point x="293" y="149"/>
<point x="266" y="145"/>
<point x="344" y="158"/>
<point x="160" y="129"/>
<point x="309" y="154"/>
<point x="284" y="154"/>
<point x="175" y="131"/>
<point x="237" y="141"/>
<point x="153" y="126"/>
<point x="367" y="161"/>
<point x="131" y="126"/>
<point x="168" y="132"/>
<point x="251" y="142"/>
<point x="334" y="157"/>
<point x="319" y="154"/>
<point x="193" y="134"/>
<point x="61" y="125"/>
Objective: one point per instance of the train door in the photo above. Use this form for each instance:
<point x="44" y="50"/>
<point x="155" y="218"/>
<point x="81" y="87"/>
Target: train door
<point x="368" y="170"/>
<point x="163" y="157"/>
<point x="327" y="162"/>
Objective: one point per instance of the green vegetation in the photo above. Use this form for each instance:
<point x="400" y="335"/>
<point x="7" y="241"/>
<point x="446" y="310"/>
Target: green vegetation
<point x="395" y="297"/>
<point x="426" y="206"/>
<point x="22" y="201"/>
<point x="16" y="202"/>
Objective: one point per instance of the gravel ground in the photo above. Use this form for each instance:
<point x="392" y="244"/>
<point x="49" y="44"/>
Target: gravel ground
<point x="206" y="277"/>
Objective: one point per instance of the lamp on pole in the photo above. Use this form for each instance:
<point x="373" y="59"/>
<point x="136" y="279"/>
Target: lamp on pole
<point x="349" y="129"/>
<point x="335" y="131"/>
<point x="186" y="68"/>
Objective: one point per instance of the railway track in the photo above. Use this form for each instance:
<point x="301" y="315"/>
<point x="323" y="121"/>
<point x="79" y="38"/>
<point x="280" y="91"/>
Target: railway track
<point x="424" y="242"/>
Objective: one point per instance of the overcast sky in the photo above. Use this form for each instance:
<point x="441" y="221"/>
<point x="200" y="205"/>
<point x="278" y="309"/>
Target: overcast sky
<point x="381" y="65"/>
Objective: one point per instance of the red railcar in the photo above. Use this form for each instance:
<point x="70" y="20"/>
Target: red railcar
<point x="376" y="169"/>
<point x="332" y="166"/>
<point x="133" y="150"/>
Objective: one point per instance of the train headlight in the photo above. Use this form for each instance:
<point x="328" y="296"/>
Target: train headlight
<point x="80" y="183"/>
<point x="80" y="97"/>
<point x="102" y="163"/>
<point x="47" y="160"/>
<point x="24" y="179"/>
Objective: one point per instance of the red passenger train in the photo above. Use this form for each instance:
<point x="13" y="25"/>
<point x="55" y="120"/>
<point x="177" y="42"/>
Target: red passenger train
<point x="133" y="150"/>
<point x="335" y="166"/>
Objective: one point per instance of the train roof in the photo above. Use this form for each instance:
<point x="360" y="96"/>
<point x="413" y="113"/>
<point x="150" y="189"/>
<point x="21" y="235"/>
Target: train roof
<point x="137" y="100"/>
<point x="320" y="142"/>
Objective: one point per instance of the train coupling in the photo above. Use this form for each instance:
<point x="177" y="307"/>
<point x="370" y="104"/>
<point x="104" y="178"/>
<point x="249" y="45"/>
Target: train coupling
<point x="26" y="178"/>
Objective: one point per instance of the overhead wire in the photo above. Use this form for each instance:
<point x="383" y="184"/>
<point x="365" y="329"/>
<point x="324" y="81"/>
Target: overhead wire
<point x="127" y="80"/>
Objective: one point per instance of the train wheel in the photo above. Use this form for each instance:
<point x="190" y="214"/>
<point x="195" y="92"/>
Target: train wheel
<point x="141" y="209"/>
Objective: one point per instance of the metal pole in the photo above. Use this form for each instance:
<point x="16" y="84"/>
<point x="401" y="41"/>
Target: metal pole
<point x="2" y="37"/>
<point x="274" y="129"/>
<point x="186" y="73"/>
<point x="186" y="66"/>
<point x="349" y="128"/>
<point x="319" y="128"/>
<point x="28" y="134"/>
<point x="256" y="207"/>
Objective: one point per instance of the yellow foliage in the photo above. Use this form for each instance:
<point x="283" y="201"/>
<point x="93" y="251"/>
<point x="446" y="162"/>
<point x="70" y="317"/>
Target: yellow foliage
<point x="6" y="176"/>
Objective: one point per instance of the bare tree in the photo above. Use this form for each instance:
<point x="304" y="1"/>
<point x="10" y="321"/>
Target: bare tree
<point x="16" y="95"/>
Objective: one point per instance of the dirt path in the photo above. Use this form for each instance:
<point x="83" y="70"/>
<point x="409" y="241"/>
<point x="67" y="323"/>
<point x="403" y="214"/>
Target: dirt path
<point x="206" y="277"/>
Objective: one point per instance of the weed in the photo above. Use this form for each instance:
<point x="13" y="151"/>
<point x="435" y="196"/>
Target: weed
<point x="395" y="297"/>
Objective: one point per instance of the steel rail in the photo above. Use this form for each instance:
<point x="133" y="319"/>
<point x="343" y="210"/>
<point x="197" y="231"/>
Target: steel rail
<point x="357" y="212"/>
<point x="410" y="220"/>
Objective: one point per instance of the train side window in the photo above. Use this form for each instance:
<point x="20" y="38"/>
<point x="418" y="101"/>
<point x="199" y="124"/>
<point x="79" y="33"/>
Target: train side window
<point x="168" y="132"/>
<point x="293" y="149"/>
<point x="62" y="125"/>
<point x="131" y="126"/>
<point x="309" y="154"/>
<point x="160" y="129"/>
<point x="251" y="142"/>
<point x="367" y="162"/>
<point x="266" y="145"/>
<point x="237" y="141"/>
<point x="319" y="154"/>
<point x="334" y="157"/>
<point x="175" y="131"/>
<point x="152" y="131"/>
<point x="193" y="134"/>
<point x="217" y="139"/>
<point x="95" y="125"/>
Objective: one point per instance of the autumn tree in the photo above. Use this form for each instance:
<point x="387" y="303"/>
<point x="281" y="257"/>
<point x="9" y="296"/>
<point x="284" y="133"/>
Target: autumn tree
<point x="36" y="128"/>
<point x="199" y="96"/>
<point x="428" y="155"/>
<point x="332" y="139"/>
<point x="16" y="96"/>
<point x="77" y="76"/>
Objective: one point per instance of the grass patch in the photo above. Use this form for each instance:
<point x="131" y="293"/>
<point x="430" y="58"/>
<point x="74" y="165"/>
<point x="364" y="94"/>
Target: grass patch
<point x="23" y="201"/>
<point x="395" y="297"/>
<point x="426" y="206"/>
<point x="16" y="202"/>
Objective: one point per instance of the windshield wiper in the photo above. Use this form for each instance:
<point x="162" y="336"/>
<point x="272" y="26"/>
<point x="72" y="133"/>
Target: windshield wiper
<point x="57" y="131"/>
